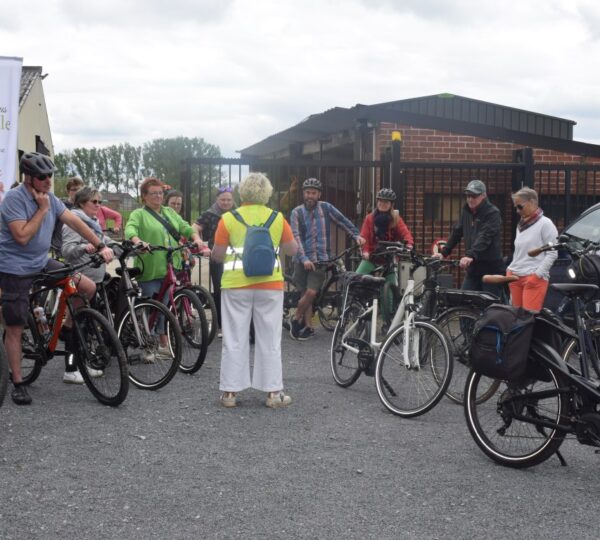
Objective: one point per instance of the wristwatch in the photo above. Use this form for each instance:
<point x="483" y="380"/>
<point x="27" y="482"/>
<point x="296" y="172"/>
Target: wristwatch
<point x="100" y="246"/>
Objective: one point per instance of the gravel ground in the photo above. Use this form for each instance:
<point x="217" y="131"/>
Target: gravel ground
<point x="335" y="464"/>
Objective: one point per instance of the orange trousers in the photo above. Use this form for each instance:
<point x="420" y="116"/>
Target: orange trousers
<point x="529" y="292"/>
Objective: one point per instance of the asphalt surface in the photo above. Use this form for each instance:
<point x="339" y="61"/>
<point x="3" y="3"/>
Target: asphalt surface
<point x="175" y="464"/>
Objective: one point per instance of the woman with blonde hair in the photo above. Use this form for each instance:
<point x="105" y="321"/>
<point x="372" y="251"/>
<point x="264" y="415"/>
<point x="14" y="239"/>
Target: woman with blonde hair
<point x="257" y="298"/>
<point x="534" y="230"/>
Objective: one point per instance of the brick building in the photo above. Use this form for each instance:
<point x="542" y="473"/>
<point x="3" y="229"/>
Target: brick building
<point x="445" y="141"/>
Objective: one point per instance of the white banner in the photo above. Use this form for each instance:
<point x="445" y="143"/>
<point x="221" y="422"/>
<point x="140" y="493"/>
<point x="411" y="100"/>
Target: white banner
<point x="10" y="82"/>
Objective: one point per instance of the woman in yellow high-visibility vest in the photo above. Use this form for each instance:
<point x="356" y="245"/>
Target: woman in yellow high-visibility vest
<point x="245" y="299"/>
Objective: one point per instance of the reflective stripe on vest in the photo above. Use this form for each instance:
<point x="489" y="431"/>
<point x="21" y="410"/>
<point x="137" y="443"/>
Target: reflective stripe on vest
<point x="233" y="274"/>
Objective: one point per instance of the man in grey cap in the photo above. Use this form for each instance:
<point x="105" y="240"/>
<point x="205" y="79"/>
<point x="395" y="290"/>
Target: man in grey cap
<point x="480" y="225"/>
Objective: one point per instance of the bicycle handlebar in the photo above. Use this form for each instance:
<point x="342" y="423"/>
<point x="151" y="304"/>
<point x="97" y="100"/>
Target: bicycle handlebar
<point x="96" y="260"/>
<point x="588" y="246"/>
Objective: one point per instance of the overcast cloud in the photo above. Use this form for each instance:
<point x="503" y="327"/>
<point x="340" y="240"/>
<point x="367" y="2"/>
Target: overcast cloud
<point x="236" y="71"/>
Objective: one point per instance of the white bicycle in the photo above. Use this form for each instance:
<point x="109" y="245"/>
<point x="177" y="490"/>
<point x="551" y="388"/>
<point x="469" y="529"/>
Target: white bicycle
<point x="413" y="365"/>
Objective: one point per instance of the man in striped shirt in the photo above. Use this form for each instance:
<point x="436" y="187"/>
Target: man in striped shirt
<point x="311" y="226"/>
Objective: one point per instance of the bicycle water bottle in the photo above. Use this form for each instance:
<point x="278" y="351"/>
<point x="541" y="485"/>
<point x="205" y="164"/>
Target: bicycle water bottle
<point x="41" y="320"/>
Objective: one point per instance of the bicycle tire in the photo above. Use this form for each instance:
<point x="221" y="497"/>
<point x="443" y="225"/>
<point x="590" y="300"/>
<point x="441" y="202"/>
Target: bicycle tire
<point x="33" y="353"/>
<point x="210" y="310"/>
<point x="146" y="371"/>
<point x="345" y="364"/>
<point x="3" y="373"/>
<point x="457" y="324"/>
<point x="570" y="352"/>
<point x="390" y="299"/>
<point x="412" y="391"/>
<point x="99" y="349"/>
<point x="189" y="310"/>
<point x="503" y="438"/>
<point x="328" y="306"/>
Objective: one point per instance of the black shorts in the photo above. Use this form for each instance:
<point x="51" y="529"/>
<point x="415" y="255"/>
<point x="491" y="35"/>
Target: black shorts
<point x="15" y="296"/>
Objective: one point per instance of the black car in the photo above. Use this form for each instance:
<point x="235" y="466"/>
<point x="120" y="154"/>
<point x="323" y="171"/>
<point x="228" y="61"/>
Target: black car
<point x="585" y="228"/>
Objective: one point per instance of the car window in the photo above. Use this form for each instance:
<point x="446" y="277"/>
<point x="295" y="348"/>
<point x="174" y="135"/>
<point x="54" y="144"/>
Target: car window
<point x="586" y="228"/>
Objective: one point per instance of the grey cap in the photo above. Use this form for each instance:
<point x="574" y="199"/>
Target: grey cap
<point x="476" y="187"/>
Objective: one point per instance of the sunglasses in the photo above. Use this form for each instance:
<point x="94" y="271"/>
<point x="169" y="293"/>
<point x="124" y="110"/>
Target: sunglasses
<point x="519" y="206"/>
<point x="44" y="176"/>
<point x="95" y="201"/>
<point x="225" y="190"/>
<point x="471" y="196"/>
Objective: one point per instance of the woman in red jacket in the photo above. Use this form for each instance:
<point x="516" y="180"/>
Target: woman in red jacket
<point x="383" y="224"/>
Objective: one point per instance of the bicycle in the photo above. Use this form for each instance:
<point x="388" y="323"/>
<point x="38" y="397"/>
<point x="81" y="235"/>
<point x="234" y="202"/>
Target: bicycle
<point x="188" y="309"/>
<point x="100" y="357"/>
<point x="326" y="302"/>
<point x="413" y="366"/>
<point x="527" y="420"/>
<point x="139" y="322"/>
<point x="184" y="276"/>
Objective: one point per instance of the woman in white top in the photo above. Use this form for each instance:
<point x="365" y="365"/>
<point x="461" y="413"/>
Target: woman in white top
<point x="534" y="230"/>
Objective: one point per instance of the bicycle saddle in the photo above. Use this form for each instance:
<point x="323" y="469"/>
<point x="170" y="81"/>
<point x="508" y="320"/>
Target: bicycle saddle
<point x="574" y="289"/>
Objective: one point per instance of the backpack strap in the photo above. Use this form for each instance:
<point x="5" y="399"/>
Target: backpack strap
<point x="271" y="219"/>
<point x="165" y="223"/>
<point x="239" y="217"/>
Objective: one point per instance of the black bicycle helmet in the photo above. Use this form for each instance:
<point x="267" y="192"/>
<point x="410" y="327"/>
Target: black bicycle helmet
<point x="386" y="194"/>
<point x="36" y="164"/>
<point x="312" y="183"/>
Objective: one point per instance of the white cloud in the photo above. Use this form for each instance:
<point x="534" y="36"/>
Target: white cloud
<point x="235" y="72"/>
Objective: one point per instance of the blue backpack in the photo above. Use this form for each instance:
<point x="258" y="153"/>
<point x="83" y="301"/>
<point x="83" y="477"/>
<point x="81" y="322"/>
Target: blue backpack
<point x="259" y="255"/>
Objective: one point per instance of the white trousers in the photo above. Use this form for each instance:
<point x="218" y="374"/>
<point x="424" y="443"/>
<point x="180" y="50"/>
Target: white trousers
<point x="238" y="308"/>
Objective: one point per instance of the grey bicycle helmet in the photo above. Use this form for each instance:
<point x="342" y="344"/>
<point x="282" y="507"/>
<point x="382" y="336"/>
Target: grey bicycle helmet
<point x="386" y="194"/>
<point x="36" y="164"/>
<point x="312" y="183"/>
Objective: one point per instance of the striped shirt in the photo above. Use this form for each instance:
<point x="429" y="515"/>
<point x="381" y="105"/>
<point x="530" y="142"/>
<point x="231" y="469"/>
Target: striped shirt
<point x="312" y="230"/>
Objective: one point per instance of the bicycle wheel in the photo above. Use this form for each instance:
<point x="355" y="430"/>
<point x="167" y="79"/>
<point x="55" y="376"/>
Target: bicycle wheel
<point x="351" y="332"/>
<point x="506" y="439"/>
<point x="457" y="325"/>
<point x="189" y="311"/>
<point x="328" y="306"/>
<point x="3" y="373"/>
<point x="99" y="350"/>
<point x="150" y="366"/>
<point x="390" y="299"/>
<point x="570" y="352"/>
<point x="33" y="355"/>
<point x="210" y="310"/>
<point x="414" y="368"/>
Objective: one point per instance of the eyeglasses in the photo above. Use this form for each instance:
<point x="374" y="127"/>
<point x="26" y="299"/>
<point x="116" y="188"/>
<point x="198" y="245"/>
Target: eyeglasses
<point x="519" y="206"/>
<point x="43" y="176"/>
<point x="471" y="196"/>
<point x="155" y="194"/>
<point x="95" y="201"/>
<point x="225" y="190"/>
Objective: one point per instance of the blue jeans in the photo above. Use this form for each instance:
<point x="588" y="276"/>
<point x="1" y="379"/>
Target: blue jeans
<point x="150" y="289"/>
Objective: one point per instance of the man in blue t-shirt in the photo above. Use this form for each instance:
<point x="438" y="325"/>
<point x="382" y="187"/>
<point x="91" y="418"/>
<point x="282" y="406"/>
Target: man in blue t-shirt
<point x="27" y="218"/>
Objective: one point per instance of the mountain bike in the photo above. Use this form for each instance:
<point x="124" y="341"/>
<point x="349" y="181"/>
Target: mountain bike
<point x="413" y="366"/>
<point x="188" y="309"/>
<point x="527" y="420"/>
<point x="99" y="357"/>
<point x="327" y="301"/>
<point x="139" y="323"/>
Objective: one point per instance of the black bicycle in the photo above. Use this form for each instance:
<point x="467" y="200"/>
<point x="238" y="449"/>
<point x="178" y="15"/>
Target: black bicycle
<point x="327" y="302"/>
<point x="526" y="420"/>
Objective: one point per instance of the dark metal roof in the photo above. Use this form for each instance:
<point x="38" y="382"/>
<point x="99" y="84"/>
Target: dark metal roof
<point x="28" y="76"/>
<point x="445" y="112"/>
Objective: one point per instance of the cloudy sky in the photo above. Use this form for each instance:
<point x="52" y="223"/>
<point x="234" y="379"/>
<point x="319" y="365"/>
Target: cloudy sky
<point x="237" y="71"/>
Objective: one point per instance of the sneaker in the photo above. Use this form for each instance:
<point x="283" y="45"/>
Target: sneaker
<point x="72" y="377"/>
<point x="20" y="396"/>
<point x="164" y="353"/>
<point x="295" y="328"/>
<point x="148" y="357"/>
<point x="228" y="401"/>
<point x="306" y="333"/>
<point x="220" y="334"/>
<point x="95" y="373"/>
<point x="280" y="399"/>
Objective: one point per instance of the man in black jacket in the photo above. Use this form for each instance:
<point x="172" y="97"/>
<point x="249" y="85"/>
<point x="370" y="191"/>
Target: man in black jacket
<point x="480" y="225"/>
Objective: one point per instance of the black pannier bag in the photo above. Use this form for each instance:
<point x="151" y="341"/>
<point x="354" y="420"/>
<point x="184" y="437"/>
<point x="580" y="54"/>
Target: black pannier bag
<point x="500" y="344"/>
<point x="587" y="269"/>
